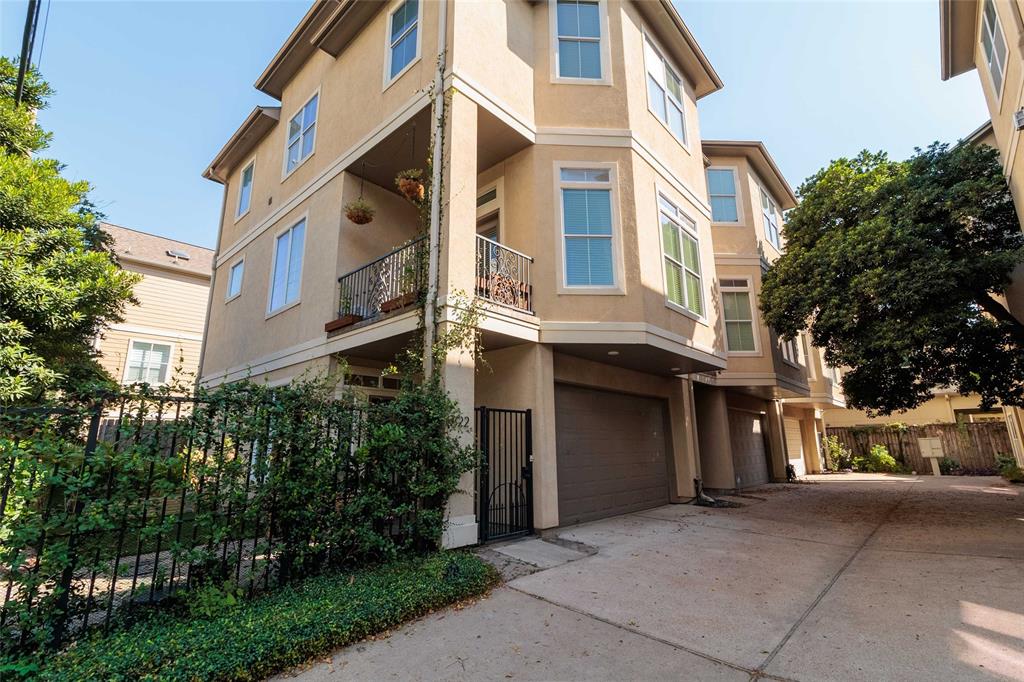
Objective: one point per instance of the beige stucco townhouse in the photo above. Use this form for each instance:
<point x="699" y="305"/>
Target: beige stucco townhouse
<point x="160" y="338"/>
<point x="988" y="35"/>
<point x="576" y="210"/>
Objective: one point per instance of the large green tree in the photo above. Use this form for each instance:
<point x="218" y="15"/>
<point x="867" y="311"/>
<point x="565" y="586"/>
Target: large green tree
<point x="59" y="282"/>
<point x="896" y="269"/>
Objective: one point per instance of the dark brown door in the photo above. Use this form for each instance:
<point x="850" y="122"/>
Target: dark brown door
<point x="611" y="450"/>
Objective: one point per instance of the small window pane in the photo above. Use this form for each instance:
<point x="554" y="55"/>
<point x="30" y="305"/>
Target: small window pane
<point x="670" y="234"/>
<point x="569" y="58"/>
<point x="295" y="261"/>
<point x="587" y="211"/>
<point x="721" y="182"/>
<point x="235" y="279"/>
<point x="690" y="254"/>
<point x="568" y="19"/>
<point x="307" y="141"/>
<point x="589" y="20"/>
<point x="656" y="97"/>
<point x="693" y="293"/>
<point x="739" y="336"/>
<point x="403" y="52"/>
<point x="674" y="87"/>
<point x="675" y="122"/>
<point x="601" y="262"/>
<point x="723" y="210"/>
<point x="309" y="112"/>
<point x="674" y="283"/>
<point x="279" y="283"/>
<point x="245" y="190"/>
<point x="294" y="127"/>
<point x="590" y="59"/>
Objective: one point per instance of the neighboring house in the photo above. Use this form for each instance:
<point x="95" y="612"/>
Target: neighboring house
<point x="575" y="208"/>
<point x="945" y="407"/>
<point x="164" y="332"/>
<point x="765" y="408"/>
<point x="988" y="35"/>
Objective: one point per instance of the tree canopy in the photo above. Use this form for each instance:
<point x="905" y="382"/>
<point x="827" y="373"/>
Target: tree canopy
<point x="896" y="269"/>
<point x="59" y="282"/>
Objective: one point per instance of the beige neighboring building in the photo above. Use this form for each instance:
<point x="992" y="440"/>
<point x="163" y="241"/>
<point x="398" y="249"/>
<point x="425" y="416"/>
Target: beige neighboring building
<point x="945" y="407"/>
<point x="576" y="210"/>
<point x="988" y="36"/>
<point x="763" y="412"/>
<point x="164" y="332"/>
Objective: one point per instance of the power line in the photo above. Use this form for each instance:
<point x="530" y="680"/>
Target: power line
<point x="28" y="38"/>
<point x="42" y="40"/>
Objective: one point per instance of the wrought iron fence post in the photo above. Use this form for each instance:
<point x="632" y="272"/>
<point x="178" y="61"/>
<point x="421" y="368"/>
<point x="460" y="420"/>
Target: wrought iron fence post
<point x="528" y="470"/>
<point x="68" y="573"/>
<point x="485" y="485"/>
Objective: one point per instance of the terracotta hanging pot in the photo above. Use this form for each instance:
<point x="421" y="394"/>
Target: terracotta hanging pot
<point x="410" y="184"/>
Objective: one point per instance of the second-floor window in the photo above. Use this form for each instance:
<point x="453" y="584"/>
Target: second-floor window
<point x="301" y="134"/>
<point x="791" y="351"/>
<point x="771" y="219"/>
<point x="235" y="275"/>
<point x="722" y="193"/>
<point x="245" y="189"/>
<point x="287" y="277"/>
<point x="587" y="227"/>
<point x="578" y="24"/>
<point x="148" y="362"/>
<point x="682" y="258"/>
<point x="664" y="91"/>
<point x="403" y="37"/>
<point x="738" y="314"/>
<point x="994" y="45"/>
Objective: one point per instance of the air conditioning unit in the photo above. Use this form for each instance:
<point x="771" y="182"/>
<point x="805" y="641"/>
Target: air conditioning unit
<point x="1018" y="119"/>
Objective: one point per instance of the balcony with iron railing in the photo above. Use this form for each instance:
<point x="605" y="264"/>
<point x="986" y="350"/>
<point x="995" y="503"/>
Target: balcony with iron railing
<point x="398" y="280"/>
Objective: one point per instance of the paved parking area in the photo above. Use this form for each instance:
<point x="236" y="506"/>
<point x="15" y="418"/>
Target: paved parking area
<point x="847" y="577"/>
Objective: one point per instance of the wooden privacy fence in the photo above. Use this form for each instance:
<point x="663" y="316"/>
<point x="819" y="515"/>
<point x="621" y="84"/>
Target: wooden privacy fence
<point x="973" y="446"/>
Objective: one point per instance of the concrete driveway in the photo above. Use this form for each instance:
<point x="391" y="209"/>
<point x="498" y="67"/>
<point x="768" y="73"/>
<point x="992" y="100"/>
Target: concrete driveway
<point x="848" y="577"/>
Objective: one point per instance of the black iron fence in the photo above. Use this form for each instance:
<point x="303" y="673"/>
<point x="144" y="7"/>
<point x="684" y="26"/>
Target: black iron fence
<point x="132" y="499"/>
<point x="389" y="283"/>
<point x="505" y="485"/>
<point x="503" y="275"/>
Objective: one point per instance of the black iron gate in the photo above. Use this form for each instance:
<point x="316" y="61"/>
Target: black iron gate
<point x="505" y="482"/>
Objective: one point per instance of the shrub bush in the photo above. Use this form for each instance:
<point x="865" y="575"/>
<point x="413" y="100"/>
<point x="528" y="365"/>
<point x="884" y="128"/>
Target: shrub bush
<point x="1009" y="469"/>
<point x="878" y="460"/>
<point x="270" y="633"/>
<point x="837" y="456"/>
<point x="949" y="466"/>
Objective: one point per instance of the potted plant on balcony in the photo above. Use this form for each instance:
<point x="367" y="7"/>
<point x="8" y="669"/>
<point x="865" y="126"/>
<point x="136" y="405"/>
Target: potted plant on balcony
<point x="359" y="211"/>
<point x="346" y="317"/>
<point x="410" y="183"/>
<point x="408" y="288"/>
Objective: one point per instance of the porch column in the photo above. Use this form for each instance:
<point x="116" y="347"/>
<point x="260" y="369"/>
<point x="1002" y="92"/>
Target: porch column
<point x="685" y="449"/>
<point x="777" y="441"/>
<point x="716" y="464"/>
<point x="812" y="447"/>
<point x="456" y="272"/>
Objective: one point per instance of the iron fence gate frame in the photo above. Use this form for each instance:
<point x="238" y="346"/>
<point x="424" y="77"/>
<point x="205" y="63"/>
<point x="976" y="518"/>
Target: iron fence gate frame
<point x="505" y="474"/>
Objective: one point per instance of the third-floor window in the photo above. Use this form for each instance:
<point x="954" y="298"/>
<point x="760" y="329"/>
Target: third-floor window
<point x="771" y="219"/>
<point x="245" y="189"/>
<point x="664" y="91"/>
<point x="994" y="45"/>
<point x="301" y="134"/>
<point x="403" y="38"/>
<point x="578" y="26"/>
<point x="722" y="193"/>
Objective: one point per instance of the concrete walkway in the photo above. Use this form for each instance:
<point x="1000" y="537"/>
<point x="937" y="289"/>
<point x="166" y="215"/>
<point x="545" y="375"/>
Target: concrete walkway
<point x="849" y="577"/>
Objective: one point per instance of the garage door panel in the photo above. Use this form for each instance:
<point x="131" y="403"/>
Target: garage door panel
<point x="795" y="445"/>
<point x="748" y="453"/>
<point x="611" y="453"/>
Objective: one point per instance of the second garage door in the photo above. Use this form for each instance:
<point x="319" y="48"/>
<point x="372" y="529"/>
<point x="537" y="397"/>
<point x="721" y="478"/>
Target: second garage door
<point x="748" y="453"/>
<point x="795" y="446"/>
<point x="611" y="453"/>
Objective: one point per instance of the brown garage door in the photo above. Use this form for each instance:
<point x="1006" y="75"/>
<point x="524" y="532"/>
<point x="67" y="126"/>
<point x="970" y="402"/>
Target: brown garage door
<point x="748" y="454"/>
<point x="611" y="453"/>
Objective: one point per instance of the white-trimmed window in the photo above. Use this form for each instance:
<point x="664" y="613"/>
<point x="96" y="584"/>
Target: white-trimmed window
<point x="586" y="198"/>
<point x="993" y="44"/>
<point x="579" y="52"/>
<point x="287" y="272"/>
<point x="737" y="310"/>
<point x="682" y="257"/>
<point x="245" y="189"/>
<point x="301" y="134"/>
<point x="664" y="91"/>
<point x="403" y="38"/>
<point x="235" y="274"/>
<point x="148" y="362"/>
<point x="771" y="219"/>
<point x="722" y="193"/>
<point x="789" y="353"/>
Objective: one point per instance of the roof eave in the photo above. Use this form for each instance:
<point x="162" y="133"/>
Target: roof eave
<point x="296" y="49"/>
<point x="758" y="154"/>
<point x="706" y="78"/>
<point x="957" y="19"/>
<point x="257" y="124"/>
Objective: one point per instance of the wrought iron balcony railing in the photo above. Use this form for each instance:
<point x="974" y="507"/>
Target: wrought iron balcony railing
<point x="389" y="283"/>
<point x="503" y="275"/>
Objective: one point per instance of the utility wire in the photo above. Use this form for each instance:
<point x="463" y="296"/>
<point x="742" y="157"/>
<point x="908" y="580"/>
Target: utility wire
<point x="28" y="37"/>
<point x="42" y="40"/>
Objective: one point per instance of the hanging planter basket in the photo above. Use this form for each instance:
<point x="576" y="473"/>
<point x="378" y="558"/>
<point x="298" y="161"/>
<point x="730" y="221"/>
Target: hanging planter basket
<point x="359" y="211"/>
<point x="410" y="184"/>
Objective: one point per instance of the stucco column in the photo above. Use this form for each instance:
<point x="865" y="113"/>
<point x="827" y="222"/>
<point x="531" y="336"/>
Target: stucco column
<point x="716" y="464"/>
<point x="456" y="270"/>
<point x="685" y="450"/>
<point x="545" y="469"/>
<point x="777" y="441"/>
<point x="812" y="448"/>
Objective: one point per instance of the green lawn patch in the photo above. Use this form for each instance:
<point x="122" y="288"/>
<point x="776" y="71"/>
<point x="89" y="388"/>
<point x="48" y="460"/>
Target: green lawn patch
<point x="276" y="631"/>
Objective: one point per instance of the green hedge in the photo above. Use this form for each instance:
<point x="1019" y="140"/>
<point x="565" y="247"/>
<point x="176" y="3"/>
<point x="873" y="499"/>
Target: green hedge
<point x="271" y="633"/>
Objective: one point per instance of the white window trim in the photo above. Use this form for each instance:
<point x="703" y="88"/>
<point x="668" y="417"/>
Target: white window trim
<point x="271" y="312"/>
<point x="238" y="194"/>
<point x="618" y="287"/>
<point x="685" y="142"/>
<point x="755" y="330"/>
<point x="740" y="216"/>
<point x="764" y="220"/>
<point x="782" y="351"/>
<point x="388" y="81"/>
<point x="228" y="297"/>
<point x="606" y="61"/>
<point x="670" y="304"/>
<point x="285" y="173"/>
<point x="998" y="92"/>
<point x="141" y="339"/>
<point x="497" y="203"/>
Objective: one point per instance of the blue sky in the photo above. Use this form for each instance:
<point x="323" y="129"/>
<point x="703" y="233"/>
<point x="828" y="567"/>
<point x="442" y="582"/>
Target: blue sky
<point x="147" y="92"/>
